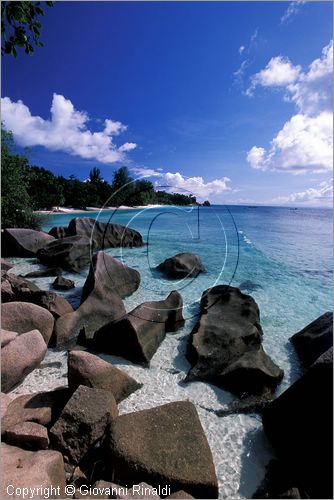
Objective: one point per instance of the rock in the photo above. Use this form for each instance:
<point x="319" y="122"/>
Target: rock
<point x="43" y="408"/>
<point x="23" y="242"/>
<point x="7" y="337"/>
<point x="20" y="357"/>
<point x="61" y="283"/>
<point x="31" y="469"/>
<point x="315" y="339"/>
<point x="15" y="288"/>
<point x="70" y="253"/>
<point x="50" y="271"/>
<point x="22" y="317"/>
<point x="139" y="333"/>
<point x="278" y="483"/>
<point x="104" y="489"/>
<point x="58" y="232"/>
<point x="105" y="235"/>
<point x="89" y="370"/>
<point x="83" y="422"/>
<point x="162" y="446"/>
<point x="249" y="404"/>
<point x="109" y="274"/>
<point x="5" y="266"/>
<point x="4" y="403"/>
<point x="299" y="425"/>
<point x="225" y="345"/>
<point x="182" y="265"/>
<point x="28" y="435"/>
<point x="249" y="286"/>
<point x="97" y="310"/>
<point x="180" y="494"/>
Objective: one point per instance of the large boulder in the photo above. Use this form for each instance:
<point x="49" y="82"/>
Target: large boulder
<point x="5" y="266"/>
<point x="162" y="446"/>
<point x="299" y="425"/>
<point x="104" y="235"/>
<point x="182" y="265"/>
<point x="110" y="275"/>
<point x="58" y="232"/>
<point x="42" y="407"/>
<point x="28" y="435"/>
<point x="16" y="288"/>
<point x="144" y="491"/>
<point x="87" y="369"/>
<point x="83" y="422"/>
<point x="71" y="253"/>
<point x="20" y="357"/>
<point x="139" y="333"/>
<point x="225" y="346"/>
<point x="7" y="336"/>
<point x="30" y="471"/>
<point x="315" y="339"/>
<point x="22" y="317"/>
<point x="23" y="242"/>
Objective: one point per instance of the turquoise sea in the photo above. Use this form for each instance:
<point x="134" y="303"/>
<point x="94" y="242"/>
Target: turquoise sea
<point x="285" y="257"/>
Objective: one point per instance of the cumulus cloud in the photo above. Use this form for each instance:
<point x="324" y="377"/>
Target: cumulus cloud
<point x="65" y="131"/>
<point x="292" y="10"/>
<point x="305" y="142"/>
<point x="176" y="182"/>
<point x="146" y="172"/>
<point x="319" y="195"/>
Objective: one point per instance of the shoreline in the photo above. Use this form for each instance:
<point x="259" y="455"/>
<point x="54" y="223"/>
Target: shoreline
<point x="65" y="210"/>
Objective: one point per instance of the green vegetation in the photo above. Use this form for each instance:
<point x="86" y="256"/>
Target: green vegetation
<point x="20" y="26"/>
<point x="26" y="188"/>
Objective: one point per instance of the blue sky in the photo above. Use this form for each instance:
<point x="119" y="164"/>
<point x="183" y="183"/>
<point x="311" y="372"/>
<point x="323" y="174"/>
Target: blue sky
<point x="229" y="100"/>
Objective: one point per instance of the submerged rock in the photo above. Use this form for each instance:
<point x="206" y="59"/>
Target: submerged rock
<point x="104" y="235"/>
<point x="20" y="357"/>
<point x="299" y="425"/>
<point x="61" y="283"/>
<point x="249" y="286"/>
<point x="182" y="265"/>
<point x="83" y="422"/>
<point x="225" y="345"/>
<point x="29" y="470"/>
<point x="162" y="446"/>
<point x="87" y="369"/>
<point x="315" y="339"/>
<point x="50" y="271"/>
<point x="22" y="317"/>
<point x="23" y="242"/>
<point x="139" y="333"/>
<point x="71" y="253"/>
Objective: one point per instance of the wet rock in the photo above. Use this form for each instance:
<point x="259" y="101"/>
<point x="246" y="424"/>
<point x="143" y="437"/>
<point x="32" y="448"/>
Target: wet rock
<point x="182" y="265"/>
<point x="23" y="242"/>
<point x="7" y="337"/>
<point x="278" y="483"/>
<point x="83" y="422"/>
<point x="5" y="266"/>
<point x="109" y="274"/>
<point x="20" y="357"/>
<point x="70" y="253"/>
<point x="299" y="425"/>
<point x="163" y="446"/>
<point x="61" y="283"/>
<point x="104" y="235"/>
<point x="31" y="469"/>
<point x="87" y="369"/>
<point x="58" y="232"/>
<point x="22" y="317"/>
<point x="225" y="345"/>
<point x="42" y="407"/>
<point x="315" y="339"/>
<point x="50" y="271"/>
<point x="28" y="435"/>
<point x="139" y="333"/>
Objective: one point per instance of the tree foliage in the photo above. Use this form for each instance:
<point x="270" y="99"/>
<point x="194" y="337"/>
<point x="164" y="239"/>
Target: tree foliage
<point x="20" y="26"/>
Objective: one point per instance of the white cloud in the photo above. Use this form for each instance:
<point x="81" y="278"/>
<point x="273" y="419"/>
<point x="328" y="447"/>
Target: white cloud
<point x="305" y="142"/>
<point x="320" y="195"/>
<point x="291" y="11"/>
<point x="239" y="73"/>
<point x="146" y="172"/>
<point x="176" y="182"/>
<point x="65" y="131"/>
<point x="278" y="72"/>
<point x="241" y="49"/>
<point x="128" y="146"/>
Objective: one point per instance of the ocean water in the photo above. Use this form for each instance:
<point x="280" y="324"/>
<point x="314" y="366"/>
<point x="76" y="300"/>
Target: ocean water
<point x="285" y="257"/>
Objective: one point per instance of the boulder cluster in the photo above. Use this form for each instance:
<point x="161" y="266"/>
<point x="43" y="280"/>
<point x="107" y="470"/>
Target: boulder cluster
<point x="75" y="436"/>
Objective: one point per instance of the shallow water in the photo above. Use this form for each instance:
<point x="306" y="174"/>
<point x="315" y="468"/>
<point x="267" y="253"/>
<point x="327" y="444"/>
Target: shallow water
<point x="285" y="255"/>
